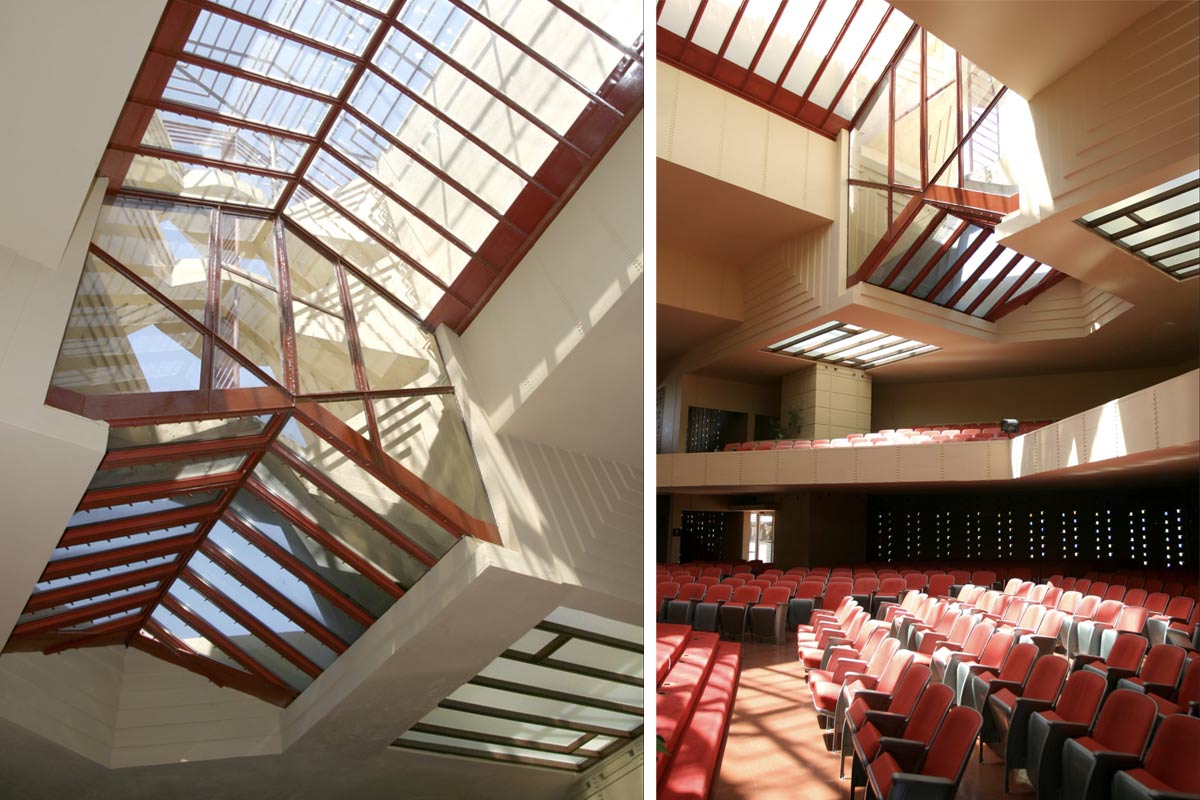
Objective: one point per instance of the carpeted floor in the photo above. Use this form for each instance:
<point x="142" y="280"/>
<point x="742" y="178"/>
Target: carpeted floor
<point x="775" y="748"/>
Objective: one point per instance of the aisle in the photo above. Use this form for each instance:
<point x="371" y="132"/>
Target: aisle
<point x="775" y="748"/>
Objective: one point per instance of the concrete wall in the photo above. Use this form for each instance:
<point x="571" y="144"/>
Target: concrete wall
<point x="1029" y="397"/>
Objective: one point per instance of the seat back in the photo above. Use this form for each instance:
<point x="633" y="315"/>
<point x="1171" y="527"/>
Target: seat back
<point x="775" y="596"/>
<point x="789" y="585"/>
<point x="1087" y="607"/>
<point x="735" y="581"/>
<point x="1051" y="598"/>
<point x="1024" y="589"/>
<point x="708" y="580"/>
<point x="809" y="589"/>
<point x="914" y="581"/>
<point x="1038" y="593"/>
<point x="947" y="621"/>
<point x="1012" y="585"/>
<point x="1132" y="619"/>
<point x="721" y="593"/>
<point x="1081" y="697"/>
<point x="909" y="689"/>
<point x="1127" y="651"/>
<point x="1069" y="602"/>
<point x="1083" y="585"/>
<point x="939" y="584"/>
<point x="876" y="634"/>
<point x="1068" y="583"/>
<point x="894" y="671"/>
<point x="692" y="591"/>
<point x="891" y="587"/>
<point x="1163" y="664"/>
<point x="1125" y="722"/>
<point x="1156" y="602"/>
<point x="977" y="639"/>
<point x="961" y="627"/>
<point x="947" y="756"/>
<point x="1046" y="678"/>
<point x="1172" y="754"/>
<point x="983" y="577"/>
<point x="929" y="712"/>
<point x="1108" y="611"/>
<point x="882" y="655"/>
<point x="1052" y="622"/>
<point x="971" y="593"/>
<point x="1179" y="607"/>
<point x="866" y="584"/>
<point x="760" y="583"/>
<point x="667" y="590"/>
<point x="997" y="648"/>
<point x="1018" y="663"/>
<point x="746" y="595"/>
<point x="1032" y="617"/>
<point x="1189" y="687"/>
<point x="960" y="575"/>
<point x="1014" y="611"/>
<point x="835" y="591"/>
<point x="1135" y="597"/>
<point x="1115" y="592"/>
<point x="1098" y="588"/>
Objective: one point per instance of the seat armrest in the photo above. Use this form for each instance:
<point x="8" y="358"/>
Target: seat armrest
<point x="1115" y="761"/>
<point x="868" y="681"/>
<point x="911" y="786"/>
<point x="839" y="642"/>
<point x="873" y="700"/>
<point x="909" y="753"/>
<point x="844" y="666"/>
<point x="1031" y="704"/>
<point x="888" y="723"/>
<point x="996" y="685"/>
<point x="1069" y="729"/>
<point x="1120" y="672"/>
<point x="952" y="647"/>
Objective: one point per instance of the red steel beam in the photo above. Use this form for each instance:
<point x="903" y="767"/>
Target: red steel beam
<point x="82" y="591"/>
<point x="995" y="282"/>
<point x="250" y="623"/>
<point x="85" y="614"/>
<point x="79" y="565"/>
<point x="203" y="161"/>
<point x="275" y="598"/>
<point x="221" y="674"/>
<point x="966" y="285"/>
<point x="287" y="314"/>
<point x="958" y="265"/>
<point x="329" y="542"/>
<point x="1052" y="279"/>
<point x="114" y="528"/>
<point x="392" y="474"/>
<point x="937" y="256"/>
<point x="970" y="132"/>
<point x="117" y="495"/>
<point x="210" y="632"/>
<point x="353" y="504"/>
<point x="302" y="571"/>
<point x="161" y="408"/>
<point x="174" y="451"/>
<point x="737" y="20"/>
<point x="762" y="46"/>
<point x="913" y="248"/>
<point x="109" y="633"/>
<point x="787" y="67"/>
<point x="263" y="25"/>
<point x="181" y="56"/>
<point x="1012" y="290"/>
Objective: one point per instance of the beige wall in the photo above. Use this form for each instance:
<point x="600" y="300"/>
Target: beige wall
<point x="698" y="284"/>
<point x="701" y="391"/>
<point x="826" y="401"/>
<point x="1029" y="397"/>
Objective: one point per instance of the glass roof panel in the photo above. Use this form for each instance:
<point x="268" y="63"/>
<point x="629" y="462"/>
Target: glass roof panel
<point x="85" y="602"/>
<point x="219" y="38"/>
<point x="397" y="352"/>
<point x="854" y="42"/>
<point x="328" y="21"/>
<point x="243" y="99"/>
<point x="123" y="437"/>
<point x="460" y="746"/>
<point x="840" y="343"/>
<point x="140" y="507"/>
<point x="118" y="542"/>
<point x="222" y="141"/>
<point x="203" y="182"/>
<point x="200" y="645"/>
<point x="110" y="572"/>
<point x="313" y="276"/>
<point x="175" y="470"/>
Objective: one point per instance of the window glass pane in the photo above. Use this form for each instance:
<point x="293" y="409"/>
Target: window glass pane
<point x="118" y="542"/>
<point x="598" y="656"/>
<point x="438" y="142"/>
<point x="120" y="340"/>
<point x="314" y="279"/>
<point x="907" y="131"/>
<point x="427" y="436"/>
<point x="165" y="245"/>
<point x="989" y="155"/>
<point x="95" y="575"/>
<point x="869" y="142"/>
<point x="330" y="227"/>
<point x="484" y="749"/>
<point x="379" y="213"/>
<point x="353" y="413"/>
<point x="127" y="510"/>
<point x="120" y="438"/>
<point x="327" y="21"/>
<point x="165" y="471"/>
<point x="868" y="223"/>
<point x="249" y="320"/>
<point x="512" y="701"/>
<point x="222" y="141"/>
<point x="241" y="98"/>
<point x="85" y="602"/>
<point x="876" y="61"/>
<point x="203" y="182"/>
<point x="817" y="46"/>
<point x="397" y="352"/>
<point x="848" y="52"/>
<point x="250" y="49"/>
<point x="960" y="246"/>
<point x="490" y="726"/>
<point x="180" y="630"/>
<point x="920" y="221"/>
<point x="329" y="567"/>
<point x="322" y="351"/>
<point x="322" y="509"/>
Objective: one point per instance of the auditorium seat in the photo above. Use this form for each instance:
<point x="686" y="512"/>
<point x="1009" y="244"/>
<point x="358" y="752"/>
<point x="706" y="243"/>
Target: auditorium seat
<point x="704" y="617"/>
<point x="982" y="683"/>
<point x="916" y="729"/>
<point x="1046" y="635"/>
<point x="959" y="668"/>
<point x="912" y="772"/>
<point x="889" y="591"/>
<point x="887" y="711"/>
<point x="1169" y="769"/>
<point x="1086" y="629"/>
<point x="733" y="614"/>
<point x="1117" y="742"/>
<point x="665" y="592"/>
<point x="1008" y="710"/>
<point x="825" y="694"/>
<point x="801" y="606"/>
<point x="1122" y="661"/>
<point x="971" y="647"/>
<point x="928" y="641"/>
<point x="813" y="653"/>
<point x="1072" y="715"/>
<point x="681" y="610"/>
<point x="768" y="619"/>
<point x="1160" y="672"/>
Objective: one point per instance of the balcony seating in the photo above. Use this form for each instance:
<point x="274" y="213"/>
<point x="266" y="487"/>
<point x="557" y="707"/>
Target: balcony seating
<point x="1169" y="769"/>
<point x="1118" y="741"/>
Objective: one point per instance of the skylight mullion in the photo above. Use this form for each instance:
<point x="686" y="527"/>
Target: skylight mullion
<point x="553" y="694"/>
<point x="97" y="498"/>
<point x="413" y="209"/>
<point x="938" y="255"/>
<point x="998" y="281"/>
<point x="94" y="588"/>
<point x="125" y="526"/>
<point x="250" y="622"/>
<point x="459" y="128"/>
<point x="1121" y="210"/>
<point x="210" y="632"/>
<point x="529" y="52"/>
<point x="958" y="268"/>
<point x="752" y="68"/>
<point x="487" y="738"/>
<point x="503" y="97"/>
<point x="832" y="351"/>
<point x="1166" y="237"/>
<point x="806" y="347"/>
<point x="912" y="250"/>
<point x="269" y="27"/>
<point x="309" y="577"/>
<point x="791" y="342"/>
<point x="452" y="704"/>
<point x="733" y="26"/>
<point x="85" y="614"/>
<point x="330" y="543"/>
<point x="596" y="30"/>
<point x="282" y="86"/>
<point x="852" y="73"/>
<point x="800" y="42"/>
<point x="187" y="158"/>
<point x="990" y="286"/>
<point x="830" y="48"/>
<point x="103" y="559"/>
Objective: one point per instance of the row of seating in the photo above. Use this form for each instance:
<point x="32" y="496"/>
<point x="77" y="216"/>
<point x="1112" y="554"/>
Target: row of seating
<point x="890" y="436"/>
<point x="866" y="687"/>
<point x="697" y="678"/>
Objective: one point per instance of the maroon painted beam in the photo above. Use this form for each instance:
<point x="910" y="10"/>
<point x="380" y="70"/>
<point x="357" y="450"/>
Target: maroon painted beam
<point x="250" y="622"/>
<point x="210" y="632"/>
<point x="1052" y="279"/>
<point x="86" y="614"/>
<point x="101" y="586"/>
<point x="114" y="528"/>
<point x="913" y="248"/>
<point x="118" y="495"/>
<point x="160" y="408"/>
<point x="90" y="562"/>
<point x="50" y="642"/>
<point x="329" y="542"/>
<point x="995" y="282"/>
<point x="180" y="655"/>
<point x="937" y="256"/>
<point x="961" y="263"/>
<point x="966" y="286"/>
<point x="174" y="451"/>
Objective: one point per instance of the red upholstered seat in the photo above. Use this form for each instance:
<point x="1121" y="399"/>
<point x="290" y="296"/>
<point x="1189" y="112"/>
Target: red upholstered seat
<point x="1170" y="763"/>
<point x="690" y="767"/>
<point x="945" y="760"/>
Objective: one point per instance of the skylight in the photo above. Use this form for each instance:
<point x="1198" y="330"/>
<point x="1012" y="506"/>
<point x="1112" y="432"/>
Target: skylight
<point x="814" y="62"/>
<point x="564" y="696"/>
<point x="850" y="346"/>
<point x="426" y="143"/>
<point x="1160" y="226"/>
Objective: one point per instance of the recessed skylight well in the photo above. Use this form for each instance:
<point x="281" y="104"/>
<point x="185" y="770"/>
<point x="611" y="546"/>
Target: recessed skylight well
<point x="850" y="346"/>
<point x="1160" y="226"/>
